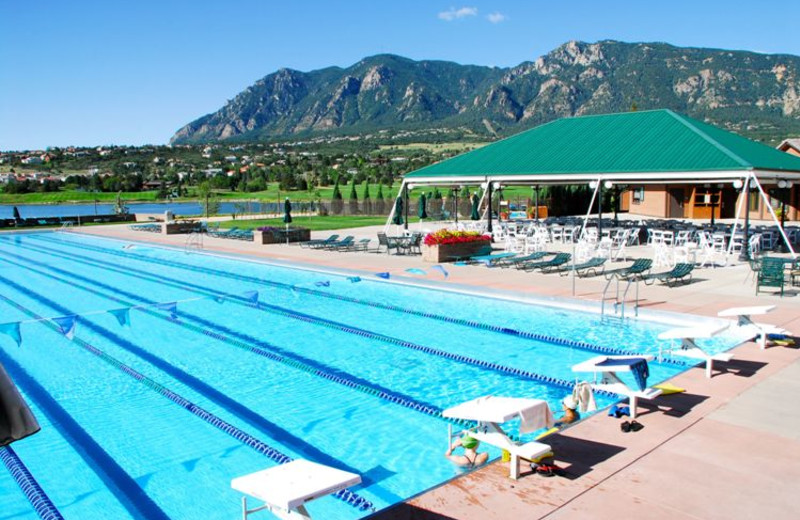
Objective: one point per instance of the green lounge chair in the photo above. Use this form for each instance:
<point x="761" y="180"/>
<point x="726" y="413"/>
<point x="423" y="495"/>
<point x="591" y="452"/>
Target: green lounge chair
<point x="771" y="273"/>
<point x="681" y="272"/>
<point x="362" y="245"/>
<point x="549" y="265"/>
<point x="635" y="271"/>
<point x="595" y="266"/>
<point x="341" y="245"/>
<point x="520" y="261"/>
<point x="491" y="260"/>
<point x="321" y="243"/>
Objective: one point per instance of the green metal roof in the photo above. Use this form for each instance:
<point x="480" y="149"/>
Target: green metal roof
<point x="657" y="141"/>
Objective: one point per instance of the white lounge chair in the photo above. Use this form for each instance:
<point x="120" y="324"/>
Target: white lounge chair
<point x="491" y="411"/>
<point x="610" y="381"/>
<point x="688" y="348"/>
<point x="285" y="489"/>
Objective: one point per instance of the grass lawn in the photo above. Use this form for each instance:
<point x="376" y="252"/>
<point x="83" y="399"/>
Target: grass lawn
<point x="312" y="223"/>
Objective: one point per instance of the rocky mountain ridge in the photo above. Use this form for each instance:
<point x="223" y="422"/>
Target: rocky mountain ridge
<point x="755" y="94"/>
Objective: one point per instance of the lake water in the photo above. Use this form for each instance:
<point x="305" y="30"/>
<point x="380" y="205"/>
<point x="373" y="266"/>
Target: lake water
<point x="177" y="208"/>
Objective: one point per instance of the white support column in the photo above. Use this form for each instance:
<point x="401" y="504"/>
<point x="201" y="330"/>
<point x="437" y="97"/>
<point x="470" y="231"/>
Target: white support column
<point x="394" y="206"/>
<point x="739" y="206"/>
<point x="774" y="217"/>
<point x="589" y="209"/>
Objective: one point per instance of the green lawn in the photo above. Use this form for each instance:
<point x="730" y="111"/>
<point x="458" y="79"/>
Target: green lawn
<point x="313" y="223"/>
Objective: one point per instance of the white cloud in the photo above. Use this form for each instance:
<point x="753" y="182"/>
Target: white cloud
<point x="461" y="12"/>
<point x="496" y="17"/>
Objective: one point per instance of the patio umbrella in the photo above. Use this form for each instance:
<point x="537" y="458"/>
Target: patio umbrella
<point x="17" y="216"/>
<point x="422" y="212"/>
<point x="398" y="211"/>
<point x="16" y="419"/>
<point x="287" y="216"/>
<point x="287" y="212"/>
<point x="474" y="214"/>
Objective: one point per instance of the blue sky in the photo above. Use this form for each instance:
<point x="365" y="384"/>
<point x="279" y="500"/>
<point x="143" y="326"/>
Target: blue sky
<point x="85" y="72"/>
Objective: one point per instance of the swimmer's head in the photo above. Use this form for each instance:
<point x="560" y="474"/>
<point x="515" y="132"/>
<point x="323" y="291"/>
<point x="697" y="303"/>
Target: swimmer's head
<point x="468" y="442"/>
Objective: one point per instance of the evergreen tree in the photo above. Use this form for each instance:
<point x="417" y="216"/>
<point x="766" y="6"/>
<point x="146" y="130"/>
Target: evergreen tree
<point x="337" y="205"/>
<point x="353" y="198"/>
<point x="367" y="201"/>
<point x="380" y="203"/>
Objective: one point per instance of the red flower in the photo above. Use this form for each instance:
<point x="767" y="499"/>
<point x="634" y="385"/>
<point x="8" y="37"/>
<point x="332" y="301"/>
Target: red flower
<point x="444" y="236"/>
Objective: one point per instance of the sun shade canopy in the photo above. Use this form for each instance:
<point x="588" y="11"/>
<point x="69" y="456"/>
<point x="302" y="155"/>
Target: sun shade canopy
<point x="650" y="146"/>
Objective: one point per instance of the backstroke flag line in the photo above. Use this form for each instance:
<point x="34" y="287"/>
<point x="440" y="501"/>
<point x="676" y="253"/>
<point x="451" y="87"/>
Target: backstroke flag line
<point x="12" y="329"/>
<point x="66" y="325"/>
<point x="123" y="315"/>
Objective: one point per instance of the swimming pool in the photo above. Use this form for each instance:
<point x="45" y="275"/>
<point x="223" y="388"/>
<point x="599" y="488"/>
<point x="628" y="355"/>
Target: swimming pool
<point x="187" y="370"/>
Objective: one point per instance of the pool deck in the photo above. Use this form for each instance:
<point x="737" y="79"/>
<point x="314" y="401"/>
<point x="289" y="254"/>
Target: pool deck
<point x="727" y="448"/>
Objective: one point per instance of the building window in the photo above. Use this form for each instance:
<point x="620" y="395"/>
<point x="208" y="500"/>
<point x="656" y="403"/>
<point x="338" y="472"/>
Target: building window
<point x="638" y="195"/>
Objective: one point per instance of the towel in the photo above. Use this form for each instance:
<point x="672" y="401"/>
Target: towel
<point x="535" y="418"/>
<point x="639" y="369"/>
<point x="584" y="396"/>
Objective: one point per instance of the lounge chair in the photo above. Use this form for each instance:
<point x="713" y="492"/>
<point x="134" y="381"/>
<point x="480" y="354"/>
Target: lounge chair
<point x="637" y="270"/>
<point x="361" y="245"/>
<point x="520" y="261"/>
<point x="681" y="272"/>
<point x="319" y="242"/>
<point x="340" y="245"/>
<point x="595" y="266"/>
<point x="549" y="265"/>
<point x="491" y="260"/>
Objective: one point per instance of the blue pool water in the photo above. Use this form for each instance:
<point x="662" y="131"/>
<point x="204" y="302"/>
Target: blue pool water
<point x="349" y="373"/>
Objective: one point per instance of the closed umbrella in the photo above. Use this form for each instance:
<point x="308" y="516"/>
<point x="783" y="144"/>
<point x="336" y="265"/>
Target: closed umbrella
<point x="17" y="216"/>
<point x="287" y="216"/>
<point x="398" y="211"/>
<point x="474" y="214"/>
<point x="16" y="419"/>
<point x="422" y="212"/>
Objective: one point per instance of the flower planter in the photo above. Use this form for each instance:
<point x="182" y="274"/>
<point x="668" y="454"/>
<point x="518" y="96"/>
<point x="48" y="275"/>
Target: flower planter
<point x="448" y="252"/>
<point x="279" y="236"/>
<point x="180" y="228"/>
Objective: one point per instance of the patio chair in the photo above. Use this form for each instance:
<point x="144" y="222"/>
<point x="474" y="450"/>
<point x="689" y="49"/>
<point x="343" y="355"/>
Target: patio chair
<point x="771" y="274"/>
<point x="638" y="269"/>
<point x="595" y="266"/>
<point x="549" y="265"/>
<point x="362" y="245"/>
<point x="681" y="272"/>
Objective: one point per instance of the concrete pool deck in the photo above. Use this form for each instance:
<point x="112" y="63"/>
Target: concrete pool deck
<point x="727" y="448"/>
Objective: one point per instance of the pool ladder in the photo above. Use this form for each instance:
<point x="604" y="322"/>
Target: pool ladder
<point x="193" y="241"/>
<point x="619" y="304"/>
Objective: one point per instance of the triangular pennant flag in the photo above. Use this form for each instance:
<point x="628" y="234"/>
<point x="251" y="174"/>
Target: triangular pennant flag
<point x="12" y="329"/>
<point x="385" y="276"/>
<point x="442" y="269"/>
<point x="218" y="299"/>
<point x="354" y="279"/>
<point x="123" y="315"/>
<point x="170" y="307"/>
<point x="414" y="270"/>
<point x="326" y="283"/>
<point x="66" y="325"/>
<point x="251" y="296"/>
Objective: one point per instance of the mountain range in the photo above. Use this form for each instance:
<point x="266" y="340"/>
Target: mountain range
<point x="757" y="95"/>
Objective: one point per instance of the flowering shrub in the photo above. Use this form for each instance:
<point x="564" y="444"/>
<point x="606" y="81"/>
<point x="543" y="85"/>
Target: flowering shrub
<point x="444" y="236"/>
